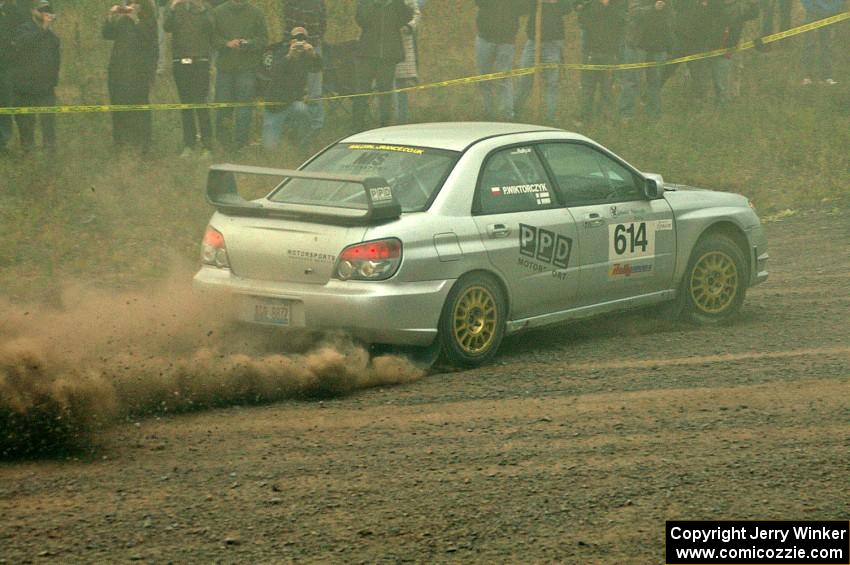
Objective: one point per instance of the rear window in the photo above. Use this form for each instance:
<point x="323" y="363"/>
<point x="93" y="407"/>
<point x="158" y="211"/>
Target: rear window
<point x="414" y="173"/>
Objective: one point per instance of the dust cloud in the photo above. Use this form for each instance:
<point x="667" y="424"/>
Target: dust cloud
<point x="102" y="356"/>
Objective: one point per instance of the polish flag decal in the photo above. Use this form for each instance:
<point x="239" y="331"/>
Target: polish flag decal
<point x="496" y="191"/>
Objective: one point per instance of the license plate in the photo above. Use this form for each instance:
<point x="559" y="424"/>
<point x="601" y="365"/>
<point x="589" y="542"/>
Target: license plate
<point x="271" y="311"/>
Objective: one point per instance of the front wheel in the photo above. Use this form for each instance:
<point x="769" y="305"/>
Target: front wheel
<point x="472" y="323"/>
<point x="715" y="283"/>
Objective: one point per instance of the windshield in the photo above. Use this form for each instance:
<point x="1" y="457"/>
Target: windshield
<point x="414" y="173"/>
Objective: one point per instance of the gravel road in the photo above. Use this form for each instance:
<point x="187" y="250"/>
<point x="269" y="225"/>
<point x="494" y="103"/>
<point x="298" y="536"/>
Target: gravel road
<point x="574" y="446"/>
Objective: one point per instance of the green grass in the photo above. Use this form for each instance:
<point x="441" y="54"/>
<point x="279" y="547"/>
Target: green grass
<point x="93" y="215"/>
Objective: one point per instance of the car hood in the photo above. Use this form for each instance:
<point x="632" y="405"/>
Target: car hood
<point x="682" y="197"/>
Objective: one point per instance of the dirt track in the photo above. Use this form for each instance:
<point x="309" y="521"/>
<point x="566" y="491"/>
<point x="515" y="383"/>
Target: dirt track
<point x="575" y="446"/>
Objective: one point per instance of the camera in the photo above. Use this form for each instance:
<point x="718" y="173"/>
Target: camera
<point x="243" y="43"/>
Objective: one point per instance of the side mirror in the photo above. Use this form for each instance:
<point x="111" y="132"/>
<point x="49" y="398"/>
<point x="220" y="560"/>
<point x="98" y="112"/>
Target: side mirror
<point x="653" y="186"/>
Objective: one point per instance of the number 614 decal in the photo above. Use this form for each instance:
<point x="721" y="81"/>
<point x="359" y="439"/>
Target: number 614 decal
<point x="633" y="239"/>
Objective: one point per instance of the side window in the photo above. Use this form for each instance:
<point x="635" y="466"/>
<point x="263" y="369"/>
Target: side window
<point x="513" y="180"/>
<point x="586" y="176"/>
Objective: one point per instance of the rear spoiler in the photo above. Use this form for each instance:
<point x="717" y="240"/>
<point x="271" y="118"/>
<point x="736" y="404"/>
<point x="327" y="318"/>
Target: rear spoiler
<point x="222" y="193"/>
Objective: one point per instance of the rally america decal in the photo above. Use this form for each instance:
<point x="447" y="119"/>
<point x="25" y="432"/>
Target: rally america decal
<point x="540" y="191"/>
<point x="544" y="248"/>
<point x="628" y="269"/>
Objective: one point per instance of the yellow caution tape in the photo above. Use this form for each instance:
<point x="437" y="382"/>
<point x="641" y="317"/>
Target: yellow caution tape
<point x="85" y="109"/>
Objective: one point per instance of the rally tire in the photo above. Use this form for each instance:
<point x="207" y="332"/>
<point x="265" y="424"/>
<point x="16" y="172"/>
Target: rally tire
<point x="715" y="283"/>
<point x="472" y="323"/>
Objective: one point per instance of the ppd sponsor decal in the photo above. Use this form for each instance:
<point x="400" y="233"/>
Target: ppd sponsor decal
<point x="381" y="193"/>
<point x="545" y="246"/>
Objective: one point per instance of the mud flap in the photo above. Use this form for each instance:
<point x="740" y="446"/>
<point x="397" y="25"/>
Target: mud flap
<point x="423" y="358"/>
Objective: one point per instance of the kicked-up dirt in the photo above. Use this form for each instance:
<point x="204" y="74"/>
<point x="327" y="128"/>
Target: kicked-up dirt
<point x="574" y="446"/>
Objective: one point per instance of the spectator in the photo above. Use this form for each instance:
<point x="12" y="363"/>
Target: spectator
<point x="707" y="25"/>
<point x="292" y="64"/>
<point x="132" y="65"/>
<point x="649" y="38"/>
<point x="551" y="52"/>
<point x="817" y="58"/>
<point x="161" y="11"/>
<point x="380" y="49"/>
<point x="240" y="35"/>
<point x="190" y="23"/>
<point x="10" y="19"/>
<point x="407" y="72"/>
<point x="497" y="23"/>
<point x="36" y="74"/>
<point x="767" y="8"/>
<point x="602" y="22"/>
<point x="312" y="16"/>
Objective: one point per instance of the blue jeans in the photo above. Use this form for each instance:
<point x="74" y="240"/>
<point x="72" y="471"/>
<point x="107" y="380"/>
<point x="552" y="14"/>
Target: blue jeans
<point x="591" y="81"/>
<point x="295" y="118"/>
<point x="5" y="102"/>
<point x="314" y="90"/>
<point x="767" y="7"/>
<point x="550" y="52"/>
<point x="716" y="70"/>
<point x="235" y="86"/>
<point x="498" y="94"/>
<point x="631" y="82"/>
<point x="817" y="59"/>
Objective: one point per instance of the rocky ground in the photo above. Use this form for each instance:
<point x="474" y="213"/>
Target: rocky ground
<point x="575" y="446"/>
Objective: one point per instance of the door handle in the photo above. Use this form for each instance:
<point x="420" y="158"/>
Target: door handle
<point x="498" y="230"/>
<point x="593" y="220"/>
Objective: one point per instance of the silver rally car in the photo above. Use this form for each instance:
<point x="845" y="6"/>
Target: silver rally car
<point x="453" y="235"/>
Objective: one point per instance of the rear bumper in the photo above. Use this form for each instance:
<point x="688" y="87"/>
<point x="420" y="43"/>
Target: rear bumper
<point x="391" y="312"/>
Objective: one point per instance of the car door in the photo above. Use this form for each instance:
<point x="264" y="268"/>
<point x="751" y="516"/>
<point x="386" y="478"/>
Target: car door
<point x="530" y="237"/>
<point x="627" y="241"/>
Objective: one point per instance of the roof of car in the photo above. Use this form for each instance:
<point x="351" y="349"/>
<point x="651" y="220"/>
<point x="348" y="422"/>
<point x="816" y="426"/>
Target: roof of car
<point x="454" y="136"/>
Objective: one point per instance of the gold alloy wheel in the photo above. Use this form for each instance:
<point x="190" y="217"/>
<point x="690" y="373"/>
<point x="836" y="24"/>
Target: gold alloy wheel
<point x="714" y="282"/>
<point x="474" y="320"/>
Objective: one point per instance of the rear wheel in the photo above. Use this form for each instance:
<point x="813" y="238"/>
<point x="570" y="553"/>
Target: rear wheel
<point x="472" y="323"/>
<point x="714" y="285"/>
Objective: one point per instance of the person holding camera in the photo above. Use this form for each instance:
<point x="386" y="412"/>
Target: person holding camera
<point x="602" y="22"/>
<point x="190" y="23"/>
<point x="10" y="19"/>
<point x="497" y="23"/>
<point x="310" y="15"/>
<point x="551" y="52"/>
<point x="132" y="67"/>
<point x="379" y="50"/>
<point x="240" y="36"/>
<point x="292" y="63"/>
<point x="36" y="74"/>
<point x="649" y="38"/>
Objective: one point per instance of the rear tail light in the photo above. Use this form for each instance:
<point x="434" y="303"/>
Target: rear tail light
<point x="213" y="250"/>
<point x="371" y="261"/>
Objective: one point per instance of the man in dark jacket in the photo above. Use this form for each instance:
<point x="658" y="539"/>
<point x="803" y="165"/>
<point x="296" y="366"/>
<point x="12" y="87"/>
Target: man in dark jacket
<point x="379" y="50"/>
<point x="706" y="25"/>
<point x="649" y="38"/>
<point x="551" y="52"/>
<point x="191" y="25"/>
<point x="241" y="36"/>
<point x="312" y="16"/>
<point x="292" y="63"/>
<point x="10" y="19"/>
<point x="603" y="23"/>
<point x="36" y="74"/>
<point x="497" y="22"/>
